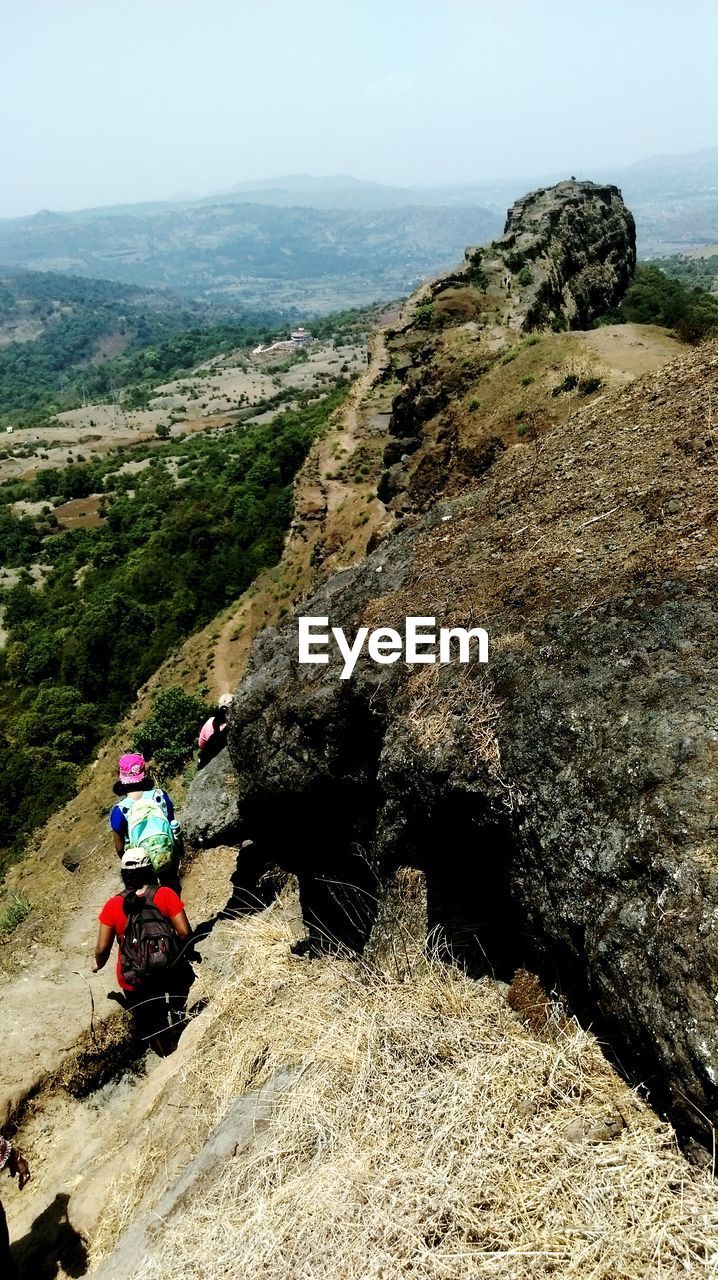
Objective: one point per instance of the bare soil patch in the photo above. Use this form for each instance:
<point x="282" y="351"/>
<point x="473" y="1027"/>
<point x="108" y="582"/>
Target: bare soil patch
<point x="80" y="513"/>
<point x="630" y="350"/>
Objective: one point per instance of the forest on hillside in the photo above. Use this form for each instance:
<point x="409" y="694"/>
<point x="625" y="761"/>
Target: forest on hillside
<point x="178" y="540"/>
<point x="254" y="255"/>
<point x="657" y="296"/>
<point x="93" y="338"/>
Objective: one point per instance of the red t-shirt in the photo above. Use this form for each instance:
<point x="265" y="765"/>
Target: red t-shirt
<point x="113" y="914"/>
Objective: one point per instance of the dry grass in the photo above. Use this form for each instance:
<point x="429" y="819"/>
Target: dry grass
<point x="431" y="1134"/>
<point x="433" y="708"/>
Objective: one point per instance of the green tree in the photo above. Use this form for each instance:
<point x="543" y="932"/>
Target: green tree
<point x="60" y="719"/>
<point x="169" y="733"/>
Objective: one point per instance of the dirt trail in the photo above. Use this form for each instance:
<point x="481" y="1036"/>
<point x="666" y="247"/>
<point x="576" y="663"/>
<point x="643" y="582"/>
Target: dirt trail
<point x="331" y="510"/>
<point x="64" y="1203"/>
<point x="49" y="999"/>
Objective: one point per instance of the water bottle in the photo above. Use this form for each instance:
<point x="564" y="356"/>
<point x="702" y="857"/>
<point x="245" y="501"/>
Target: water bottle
<point x="177" y="839"/>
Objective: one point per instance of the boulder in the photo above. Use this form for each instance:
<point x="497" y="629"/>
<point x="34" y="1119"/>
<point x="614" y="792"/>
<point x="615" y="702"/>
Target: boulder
<point x="209" y="814"/>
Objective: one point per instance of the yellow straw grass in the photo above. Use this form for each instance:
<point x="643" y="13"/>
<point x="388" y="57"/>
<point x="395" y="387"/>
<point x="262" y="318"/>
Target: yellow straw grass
<point x="430" y="1134"/>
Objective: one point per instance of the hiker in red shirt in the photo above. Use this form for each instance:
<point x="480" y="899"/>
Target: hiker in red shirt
<point x="150" y="924"/>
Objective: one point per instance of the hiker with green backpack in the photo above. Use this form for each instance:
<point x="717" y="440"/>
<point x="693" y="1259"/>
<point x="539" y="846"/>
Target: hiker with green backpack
<point x="154" y="942"/>
<point x="144" y="818"/>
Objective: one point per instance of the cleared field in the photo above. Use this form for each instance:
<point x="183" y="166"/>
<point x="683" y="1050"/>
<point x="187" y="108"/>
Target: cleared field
<point x="80" y="513"/>
<point x="214" y="395"/>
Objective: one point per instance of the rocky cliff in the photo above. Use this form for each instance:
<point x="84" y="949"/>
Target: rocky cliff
<point x="566" y="257"/>
<point x="574" y="247"/>
<point x="559" y="799"/>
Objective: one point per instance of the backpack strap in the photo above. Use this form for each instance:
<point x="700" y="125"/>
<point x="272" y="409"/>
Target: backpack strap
<point x="148" y="897"/>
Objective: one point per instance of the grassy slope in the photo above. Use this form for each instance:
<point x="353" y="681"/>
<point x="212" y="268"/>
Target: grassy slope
<point x="432" y="1132"/>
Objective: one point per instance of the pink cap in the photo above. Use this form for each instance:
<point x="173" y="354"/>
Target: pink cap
<point x="132" y="768"/>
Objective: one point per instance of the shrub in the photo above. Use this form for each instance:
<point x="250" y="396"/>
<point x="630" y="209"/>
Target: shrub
<point x="515" y="260"/>
<point x="425" y="315"/>
<point x="525" y="276"/>
<point x="569" y="383"/>
<point x="13" y="913"/>
<point x="587" y="386"/>
<point x="476" y="274"/>
<point x="169" y="733"/>
<point x="655" y="298"/>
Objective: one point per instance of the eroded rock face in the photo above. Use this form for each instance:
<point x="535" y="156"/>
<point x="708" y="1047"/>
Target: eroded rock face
<point x="566" y="257"/>
<point x="209" y="815"/>
<point x="577" y="241"/>
<point x="562" y="800"/>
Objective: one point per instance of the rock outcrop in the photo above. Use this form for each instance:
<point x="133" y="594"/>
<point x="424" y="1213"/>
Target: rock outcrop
<point x="566" y="257"/>
<point x="562" y="799"/>
<point x="576" y="244"/>
<point x="209" y="815"/>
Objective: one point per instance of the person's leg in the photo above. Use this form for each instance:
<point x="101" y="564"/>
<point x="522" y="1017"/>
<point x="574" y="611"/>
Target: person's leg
<point x="8" y="1269"/>
<point x="149" y="1014"/>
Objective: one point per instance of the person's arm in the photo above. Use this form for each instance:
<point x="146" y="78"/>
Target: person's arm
<point x="103" y="947"/>
<point x="181" y="925"/>
<point x="14" y="1162"/>
<point x="118" y="826"/>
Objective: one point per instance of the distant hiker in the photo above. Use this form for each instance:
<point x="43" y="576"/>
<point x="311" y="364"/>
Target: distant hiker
<point x="507" y="284"/>
<point x="213" y="734"/>
<point x="153" y="970"/>
<point x="144" y="818"/>
<point x="17" y="1167"/>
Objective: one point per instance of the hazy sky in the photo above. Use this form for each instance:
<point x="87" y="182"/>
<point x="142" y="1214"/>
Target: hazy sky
<point x="104" y="101"/>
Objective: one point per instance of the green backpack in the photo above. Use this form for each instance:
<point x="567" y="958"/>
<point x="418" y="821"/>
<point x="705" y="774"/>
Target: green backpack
<point x="149" y="829"/>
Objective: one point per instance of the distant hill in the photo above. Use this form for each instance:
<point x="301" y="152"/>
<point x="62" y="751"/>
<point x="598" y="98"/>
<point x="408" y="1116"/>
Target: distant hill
<point x="323" y="243"/>
<point x="260" y="255"/>
<point x="674" y="198"/>
<point x="303" y="190"/>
